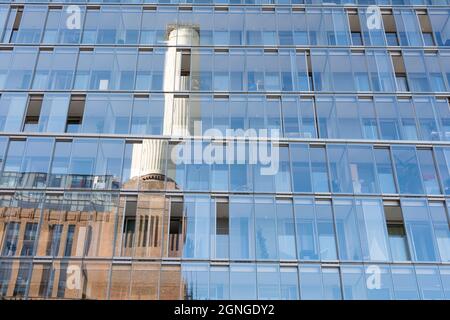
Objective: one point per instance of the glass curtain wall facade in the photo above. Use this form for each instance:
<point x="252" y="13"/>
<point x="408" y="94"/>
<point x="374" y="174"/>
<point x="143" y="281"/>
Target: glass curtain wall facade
<point x="98" y="97"/>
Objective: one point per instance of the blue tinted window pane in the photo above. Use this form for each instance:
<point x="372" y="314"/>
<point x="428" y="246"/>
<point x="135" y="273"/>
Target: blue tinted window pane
<point x="327" y="27"/>
<point x="289" y="283"/>
<point x="307" y="118"/>
<point x="443" y="118"/>
<point x="31" y="25"/>
<point x="306" y="229"/>
<point x="408" y="173"/>
<point x="407" y="120"/>
<point x="384" y="170"/>
<point x="3" y="145"/>
<point x="54" y="113"/>
<point x="291" y="123"/>
<point x="362" y="169"/>
<point x="379" y="65"/>
<point x="408" y="27"/>
<point x="319" y="169"/>
<point x="428" y="170"/>
<point x="219" y="177"/>
<point x="347" y="230"/>
<point x="242" y="232"/>
<point x="265" y="228"/>
<point x="36" y="162"/>
<point x="13" y="161"/>
<point x="438" y="19"/>
<point x="387" y="118"/>
<point x="12" y="108"/>
<point x="372" y="36"/>
<point x="419" y="229"/>
<point x="429" y="281"/>
<point x="379" y="283"/>
<point x="147" y="116"/>
<point x="131" y="165"/>
<point x="108" y="167"/>
<point x="197" y="223"/>
<point x="195" y="278"/>
<point x="60" y="164"/>
<point x="311" y="283"/>
<point x="339" y="169"/>
<point x="347" y="119"/>
<point x="340" y="63"/>
<point x="405" y="283"/>
<point x="268" y="280"/>
<point x="242" y="282"/>
<point x="331" y="284"/>
<point x="219" y="283"/>
<point x="372" y="227"/>
<point x="197" y="176"/>
<point x="107" y="114"/>
<point x="354" y="283"/>
<point x="262" y="182"/>
<point x="445" y="277"/>
<point x="427" y="116"/>
<point x="281" y="168"/>
<point x="441" y="228"/>
<point x="82" y="163"/>
<point x="325" y="231"/>
<point x="443" y="163"/>
<point x="300" y="167"/>
<point x="285" y="230"/>
<point x="240" y="177"/>
<point x="21" y="68"/>
<point x="327" y="118"/>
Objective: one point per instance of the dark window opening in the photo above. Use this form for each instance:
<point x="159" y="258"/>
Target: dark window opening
<point x="31" y="123"/>
<point x="75" y="114"/>
<point x="176" y="229"/>
<point x="396" y="232"/>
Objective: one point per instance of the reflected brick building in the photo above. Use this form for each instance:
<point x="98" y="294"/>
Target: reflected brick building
<point x="111" y="111"/>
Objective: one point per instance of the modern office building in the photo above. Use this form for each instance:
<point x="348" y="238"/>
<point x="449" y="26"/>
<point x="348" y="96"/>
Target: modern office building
<point x="128" y="131"/>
